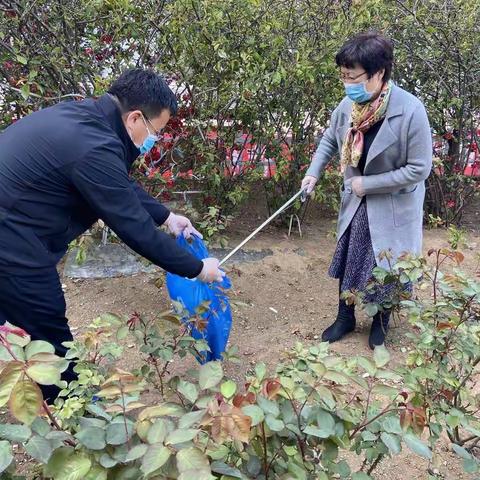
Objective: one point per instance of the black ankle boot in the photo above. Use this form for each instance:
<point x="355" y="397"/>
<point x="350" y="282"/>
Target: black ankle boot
<point x="378" y="329"/>
<point x="345" y="323"/>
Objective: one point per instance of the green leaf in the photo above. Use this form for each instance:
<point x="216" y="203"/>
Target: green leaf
<point x="14" y="433"/>
<point x="392" y="425"/>
<point x="210" y="375"/>
<point x="181" y="436"/>
<point x="21" y="59"/>
<point x="361" y="476"/>
<point x="337" y="377"/>
<point x="38" y="346"/>
<point x="392" y="442"/>
<point x="255" y="413"/>
<point x="97" y="473"/>
<point x="92" y="438"/>
<point x="260" y="371"/>
<point x="66" y="464"/>
<point x="39" y="448"/>
<point x="44" y="373"/>
<point x="8" y="379"/>
<point x="268" y="406"/>
<point x="6" y="456"/>
<point x="325" y="421"/>
<point x="122" y="332"/>
<point x="41" y="426"/>
<point x="57" y="438"/>
<point x="117" y="434"/>
<point x="192" y="464"/>
<point x="25" y="91"/>
<point x="228" y="388"/>
<point x="417" y="446"/>
<point x="219" y="452"/>
<point x="224" y="469"/>
<point x="371" y="309"/>
<point x="274" y="424"/>
<point x="107" y="461"/>
<point x="188" y="390"/>
<point x="368" y="436"/>
<point x="326" y="395"/>
<point x="461" y="452"/>
<point x="136" y="452"/>
<point x="164" y="410"/>
<point x="471" y="465"/>
<point x="191" y="418"/>
<point x="367" y="365"/>
<point x="385" y="390"/>
<point x="26" y="401"/>
<point x="155" y="457"/>
<point x="157" y="432"/>
<point x="342" y="468"/>
<point x="98" y="411"/>
<point x="381" y="356"/>
<point x="318" y="432"/>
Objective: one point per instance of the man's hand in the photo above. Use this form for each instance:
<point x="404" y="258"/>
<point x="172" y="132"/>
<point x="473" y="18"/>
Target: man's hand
<point x="178" y="225"/>
<point x="211" y="271"/>
<point x="309" y="183"/>
<point x="357" y="186"/>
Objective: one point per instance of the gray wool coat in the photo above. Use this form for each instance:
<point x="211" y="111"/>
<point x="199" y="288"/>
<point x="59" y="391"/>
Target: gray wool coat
<point x="398" y="162"/>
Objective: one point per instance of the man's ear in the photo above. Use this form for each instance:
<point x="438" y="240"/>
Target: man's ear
<point x="131" y="118"/>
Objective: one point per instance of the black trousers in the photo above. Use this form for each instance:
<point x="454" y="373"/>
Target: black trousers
<point x="35" y="302"/>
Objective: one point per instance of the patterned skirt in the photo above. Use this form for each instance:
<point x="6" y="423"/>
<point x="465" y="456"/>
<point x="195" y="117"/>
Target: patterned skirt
<point x="354" y="259"/>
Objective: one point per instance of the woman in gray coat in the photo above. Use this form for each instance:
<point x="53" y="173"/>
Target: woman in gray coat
<point x="382" y="135"/>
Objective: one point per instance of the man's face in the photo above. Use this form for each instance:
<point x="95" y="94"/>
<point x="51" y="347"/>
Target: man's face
<point x="139" y="126"/>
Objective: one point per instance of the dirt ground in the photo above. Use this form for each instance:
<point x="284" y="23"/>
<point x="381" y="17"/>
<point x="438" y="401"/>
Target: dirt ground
<point x="288" y="297"/>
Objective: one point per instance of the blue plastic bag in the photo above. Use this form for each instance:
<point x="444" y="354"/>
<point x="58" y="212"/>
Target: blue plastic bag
<point x="192" y="293"/>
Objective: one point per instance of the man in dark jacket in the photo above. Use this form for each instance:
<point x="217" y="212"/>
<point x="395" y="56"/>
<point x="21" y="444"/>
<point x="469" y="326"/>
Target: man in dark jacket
<point x="62" y="169"/>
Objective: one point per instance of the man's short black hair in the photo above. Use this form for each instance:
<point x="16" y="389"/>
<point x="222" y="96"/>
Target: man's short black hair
<point x="371" y="50"/>
<point x="145" y="90"/>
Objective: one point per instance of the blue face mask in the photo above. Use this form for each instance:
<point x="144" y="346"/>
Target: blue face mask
<point x="358" y="92"/>
<point x="149" y="142"/>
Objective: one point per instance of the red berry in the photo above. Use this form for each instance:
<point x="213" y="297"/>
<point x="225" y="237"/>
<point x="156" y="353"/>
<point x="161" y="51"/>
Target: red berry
<point x="89" y="51"/>
<point x="8" y="65"/>
<point x="106" y="38"/>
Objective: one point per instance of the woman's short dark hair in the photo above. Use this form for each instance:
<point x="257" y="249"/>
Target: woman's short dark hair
<point x="145" y="90"/>
<point x="371" y="50"/>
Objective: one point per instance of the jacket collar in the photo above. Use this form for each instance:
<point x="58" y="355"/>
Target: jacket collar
<point x="111" y="111"/>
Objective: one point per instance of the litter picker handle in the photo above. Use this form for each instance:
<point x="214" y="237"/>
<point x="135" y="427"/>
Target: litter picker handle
<point x="301" y="193"/>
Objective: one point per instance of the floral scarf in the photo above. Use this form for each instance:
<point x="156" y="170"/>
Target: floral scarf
<point x="362" y="118"/>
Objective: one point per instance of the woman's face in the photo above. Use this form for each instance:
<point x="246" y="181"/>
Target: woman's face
<point x="359" y="75"/>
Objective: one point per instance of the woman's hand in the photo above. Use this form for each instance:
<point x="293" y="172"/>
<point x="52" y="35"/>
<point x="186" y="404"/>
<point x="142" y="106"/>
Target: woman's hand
<point x="357" y="186"/>
<point x="308" y="183"/>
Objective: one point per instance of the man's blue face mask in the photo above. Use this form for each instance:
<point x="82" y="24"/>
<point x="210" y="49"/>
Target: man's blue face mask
<point x="357" y="92"/>
<point x="149" y="141"/>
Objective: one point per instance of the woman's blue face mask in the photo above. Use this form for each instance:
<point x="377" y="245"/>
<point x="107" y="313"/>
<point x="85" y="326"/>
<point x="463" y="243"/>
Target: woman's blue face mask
<point x="358" y="92"/>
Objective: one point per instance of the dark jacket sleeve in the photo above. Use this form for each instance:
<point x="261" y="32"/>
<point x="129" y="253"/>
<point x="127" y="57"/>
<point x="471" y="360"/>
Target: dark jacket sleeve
<point x="103" y="181"/>
<point x="158" y="212"/>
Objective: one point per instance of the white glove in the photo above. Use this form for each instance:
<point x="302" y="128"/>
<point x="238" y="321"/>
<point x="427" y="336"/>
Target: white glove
<point x="357" y="186"/>
<point x="211" y="271"/>
<point x="178" y="225"/>
<point x="309" y="183"/>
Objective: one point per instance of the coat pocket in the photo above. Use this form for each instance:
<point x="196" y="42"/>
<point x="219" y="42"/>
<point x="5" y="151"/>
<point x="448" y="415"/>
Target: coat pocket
<point x="406" y="207"/>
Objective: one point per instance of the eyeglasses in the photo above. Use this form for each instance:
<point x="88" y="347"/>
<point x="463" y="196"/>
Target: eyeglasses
<point x="344" y="78"/>
<point x="157" y="133"/>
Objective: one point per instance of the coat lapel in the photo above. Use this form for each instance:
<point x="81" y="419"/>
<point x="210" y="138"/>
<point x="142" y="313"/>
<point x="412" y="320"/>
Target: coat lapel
<point x="385" y="136"/>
